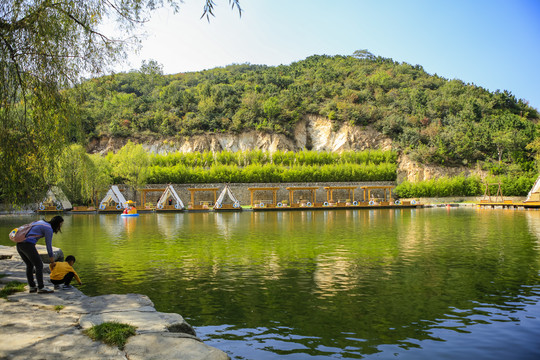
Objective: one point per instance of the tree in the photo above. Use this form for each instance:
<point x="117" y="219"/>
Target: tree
<point x="503" y="140"/>
<point x="131" y="165"/>
<point x="101" y="177"/>
<point x="364" y="54"/>
<point x="47" y="46"/>
<point x="75" y="167"/>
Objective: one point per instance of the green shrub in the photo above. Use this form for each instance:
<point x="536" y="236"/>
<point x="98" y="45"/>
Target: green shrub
<point x="284" y="158"/>
<point x="513" y="185"/>
<point x="441" y="187"/>
<point x="111" y="333"/>
<point x="466" y="186"/>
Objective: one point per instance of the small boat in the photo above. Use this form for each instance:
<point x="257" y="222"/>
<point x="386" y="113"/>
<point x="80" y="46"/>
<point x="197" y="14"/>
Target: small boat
<point x="130" y="210"/>
<point x="129" y="215"/>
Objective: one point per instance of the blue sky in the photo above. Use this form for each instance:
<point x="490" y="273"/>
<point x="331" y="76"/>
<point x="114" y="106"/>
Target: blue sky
<point x="494" y="44"/>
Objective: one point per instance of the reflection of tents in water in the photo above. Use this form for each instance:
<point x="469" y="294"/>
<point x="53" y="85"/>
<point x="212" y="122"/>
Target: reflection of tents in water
<point x="233" y="206"/>
<point x="533" y="221"/>
<point x="113" y="200"/>
<point x="170" y="225"/>
<point x="55" y="200"/>
<point x="169" y="200"/>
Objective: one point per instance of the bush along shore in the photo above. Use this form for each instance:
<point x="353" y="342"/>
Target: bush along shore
<point x="60" y="325"/>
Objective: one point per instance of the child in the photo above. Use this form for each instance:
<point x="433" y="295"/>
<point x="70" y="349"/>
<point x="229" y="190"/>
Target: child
<point x="63" y="273"/>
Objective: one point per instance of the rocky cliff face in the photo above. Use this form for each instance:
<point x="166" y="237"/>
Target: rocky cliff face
<point x="312" y="133"/>
<point x="412" y="171"/>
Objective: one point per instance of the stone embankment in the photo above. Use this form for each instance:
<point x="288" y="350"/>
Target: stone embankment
<point x="50" y="326"/>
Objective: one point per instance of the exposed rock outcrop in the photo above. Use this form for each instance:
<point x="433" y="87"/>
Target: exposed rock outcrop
<point x="312" y="133"/>
<point x="412" y="171"/>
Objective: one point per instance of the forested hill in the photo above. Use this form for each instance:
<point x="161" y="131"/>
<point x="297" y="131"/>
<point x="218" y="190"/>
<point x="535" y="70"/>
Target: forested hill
<point x="435" y="120"/>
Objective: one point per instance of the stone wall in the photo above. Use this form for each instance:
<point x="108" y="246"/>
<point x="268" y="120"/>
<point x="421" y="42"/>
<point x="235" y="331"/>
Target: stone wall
<point x="241" y="192"/>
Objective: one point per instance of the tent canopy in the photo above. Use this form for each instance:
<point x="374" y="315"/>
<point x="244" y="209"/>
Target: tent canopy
<point x="535" y="190"/>
<point x="226" y="191"/>
<point x="58" y="198"/>
<point x="114" y="195"/>
<point x="170" y="193"/>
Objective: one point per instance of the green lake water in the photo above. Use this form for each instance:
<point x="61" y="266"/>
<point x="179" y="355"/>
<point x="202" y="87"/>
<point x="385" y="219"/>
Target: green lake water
<point x="436" y="283"/>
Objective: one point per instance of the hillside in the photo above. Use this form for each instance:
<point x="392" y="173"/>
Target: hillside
<point x="432" y="119"/>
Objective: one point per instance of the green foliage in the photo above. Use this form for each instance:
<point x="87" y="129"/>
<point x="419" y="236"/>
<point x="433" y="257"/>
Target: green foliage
<point x="434" y="119"/>
<point x="82" y="176"/>
<point x="285" y="158"/>
<point x="101" y="177"/>
<point x="111" y="333"/>
<point x="511" y="185"/>
<point x="130" y="165"/>
<point x="273" y="173"/>
<point x="11" y="288"/>
<point x="74" y="170"/>
<point x="441" y="187"/>
<point x="280" y="166"/>
<point x="46" y="48"/>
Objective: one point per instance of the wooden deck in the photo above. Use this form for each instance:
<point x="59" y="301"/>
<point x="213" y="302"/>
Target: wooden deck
<point x="167" y="209"/>
<point x="509" y="204"/>
<point x="338" y="206"/>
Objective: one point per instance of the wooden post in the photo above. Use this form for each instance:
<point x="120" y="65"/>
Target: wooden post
<point x="291" y="196"/>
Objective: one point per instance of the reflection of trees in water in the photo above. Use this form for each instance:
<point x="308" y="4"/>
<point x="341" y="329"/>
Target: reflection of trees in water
<point x="383" y="276"/>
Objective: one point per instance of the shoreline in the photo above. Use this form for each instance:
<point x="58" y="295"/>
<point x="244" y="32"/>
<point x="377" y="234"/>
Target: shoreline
<point x="51" y="326"/>
<point x="456" y="201"/>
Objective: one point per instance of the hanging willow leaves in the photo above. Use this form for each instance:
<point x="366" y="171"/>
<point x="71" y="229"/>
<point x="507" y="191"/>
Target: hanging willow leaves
<point x="46" y="47"/>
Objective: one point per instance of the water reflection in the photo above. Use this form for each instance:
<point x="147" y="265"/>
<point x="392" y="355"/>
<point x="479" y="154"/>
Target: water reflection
<point x="533" y="220"/>
<point x="328" y="284"/>
<point x="169" y="225"/>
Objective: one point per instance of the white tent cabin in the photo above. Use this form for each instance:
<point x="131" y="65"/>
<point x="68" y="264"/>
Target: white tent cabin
<point x="534" y="194"/>
<point x="220" y="206"/>
<point x="54" y="201"/>
<point x="169" y="200"/>
<point x="113" y="201"/>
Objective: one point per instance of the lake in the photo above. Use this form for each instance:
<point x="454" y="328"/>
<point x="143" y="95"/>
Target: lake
<point x="434" y="283"/>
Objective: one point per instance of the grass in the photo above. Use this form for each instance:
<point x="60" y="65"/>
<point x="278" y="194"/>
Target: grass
<point x="111" y="333"/>
<point x="58" y="308"/>
<point x="11" y="288"/>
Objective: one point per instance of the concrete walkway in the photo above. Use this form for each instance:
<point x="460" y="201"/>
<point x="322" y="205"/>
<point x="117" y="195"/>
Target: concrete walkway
<point x="50" y="326"/>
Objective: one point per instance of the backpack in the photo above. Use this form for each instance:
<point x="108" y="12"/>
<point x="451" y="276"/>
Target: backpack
<point x="19" y="234"/>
